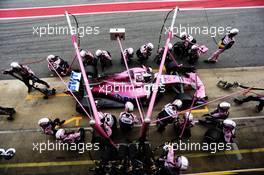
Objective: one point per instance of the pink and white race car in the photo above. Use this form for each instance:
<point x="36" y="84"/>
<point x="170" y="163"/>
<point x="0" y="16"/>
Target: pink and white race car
<point x="116" y="89"/>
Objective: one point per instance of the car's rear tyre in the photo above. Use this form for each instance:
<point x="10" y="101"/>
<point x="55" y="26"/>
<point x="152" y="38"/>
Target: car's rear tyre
<point x="213" y="135"/>
<point x="91" y="71"/>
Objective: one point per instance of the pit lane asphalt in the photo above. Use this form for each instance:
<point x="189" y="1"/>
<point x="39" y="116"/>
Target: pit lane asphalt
<point x="19" y="44"/>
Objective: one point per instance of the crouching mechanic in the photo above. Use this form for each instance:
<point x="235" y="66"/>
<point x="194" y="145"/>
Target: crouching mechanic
<point x="219" y="114"/>
<point x="61" y="66"/>
<point x="104" y="57"/>
<point x="88" y="58"/>
<point x="70" y="137"/>
<point x="224" y="44"/>
<point x="168" y="114"/>
<point x="48" y="126"/>
<point x="188" y="40"/>
<point x="173" y="165"/>
<point x="127" y="118"/>
<point x="108" y="122"/>
<point x="25" y="74"/>
<point x="129" y="54"/>
<point x="144" y="52"/>
<point x="229" y="127"/>
<point x="187" y="123"/>
<point x="160" y="54"/>
<point x="222" y="111"/>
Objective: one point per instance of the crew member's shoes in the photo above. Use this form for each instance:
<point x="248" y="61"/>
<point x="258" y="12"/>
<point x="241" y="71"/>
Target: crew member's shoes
<point x="257" y="109"/>
<point x="10" y="116"/>
<point x="53" y="91"/>
<point x="29" y="89"/>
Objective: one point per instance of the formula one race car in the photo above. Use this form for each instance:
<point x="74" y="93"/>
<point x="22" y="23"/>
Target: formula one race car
<point x="112" y="91"/>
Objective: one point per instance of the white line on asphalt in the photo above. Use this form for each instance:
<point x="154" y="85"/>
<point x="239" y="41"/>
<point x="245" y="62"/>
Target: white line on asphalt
<point x="248" y="118"/>
<point x="137" y="11"/>
<point x="229" y="171"/>
<point x="241" y="118"/>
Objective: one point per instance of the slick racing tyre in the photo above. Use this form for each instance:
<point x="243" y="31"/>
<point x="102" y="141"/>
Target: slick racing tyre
<point x="91" y="71"/>
<point x="179" y="49"/>
<point x="213" y="135"/>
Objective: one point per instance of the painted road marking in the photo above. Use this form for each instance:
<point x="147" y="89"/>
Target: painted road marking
<point x="229" y="171"/>
<point x="248" y="118"/>
<point x="230" y="152"/>
<point x="120" y="7"/>
<point x="75" y="119"/>
<point x="141" y="11"/>
<point x="103" y="3"/>
<point x="31" y="97"/>
<point x="91" y="162"/>
<point x="47" y="164"/>
<point x="201" y="110"/>
<point x="242" y="118"/>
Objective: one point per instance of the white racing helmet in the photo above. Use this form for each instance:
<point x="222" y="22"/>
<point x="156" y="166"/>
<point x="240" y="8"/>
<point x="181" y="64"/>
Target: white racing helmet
<point x="178" y="103"/>
<point x="50" y="57"/>
<point x="15" y="65"/>
<point x="224" y="105"/>
<point x="92" y="122"/>
<point x="83" y="53"/>
<point x="184" y="163"/>
<point x="167" y="146"/>
<point x="150" y="46"/>
<point x="170" y="46"/>
<point x="60" y="134"/>
<point x="183" y="34"/>
<point x="234" y="31"/>
<point x="189" y="116"/>
<point x="194" y="46"/>
<point x="130" y="50"/>
<point x="229" y="123"/>
<point x="150" y="69"/>
<point x="109" y="119"/>
<point x="129" y="107"/>
<point x="43" y="121"/>
<point x="98" y="52"/>
<point x="147" y="69"/>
